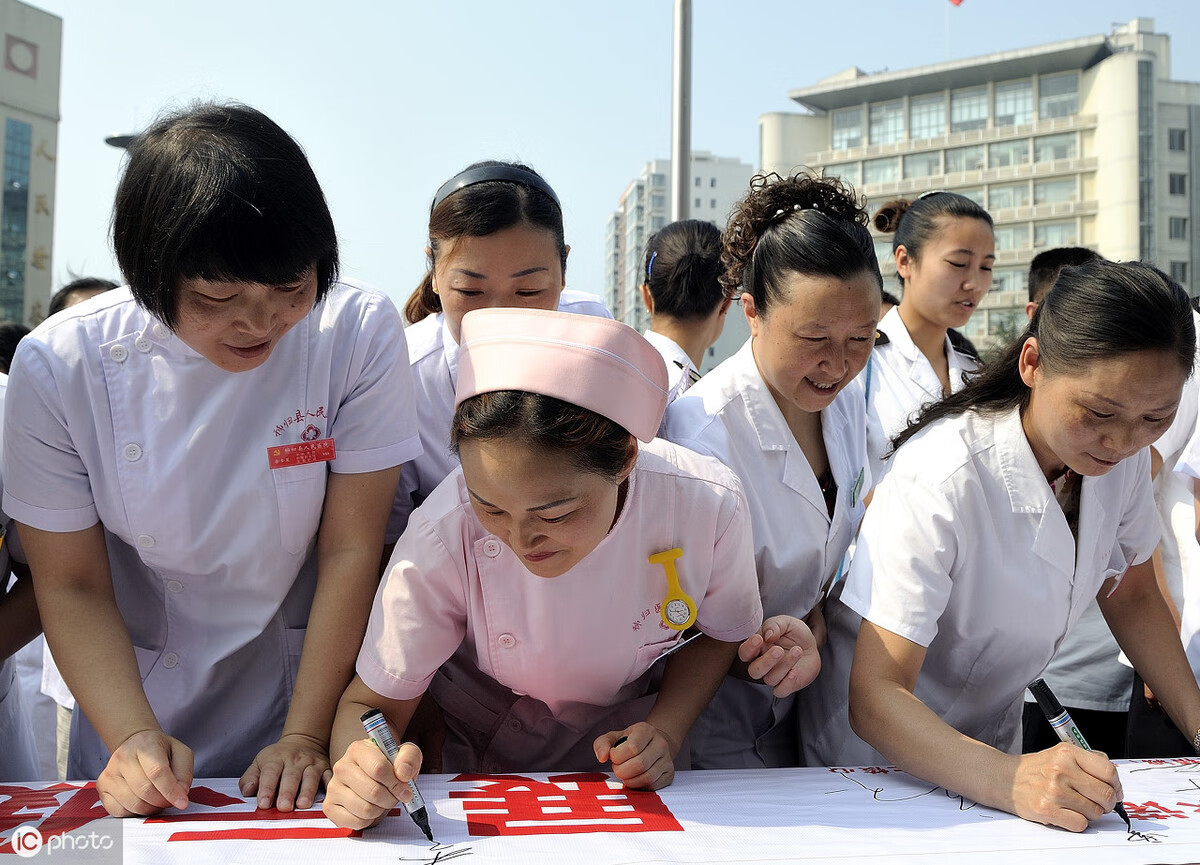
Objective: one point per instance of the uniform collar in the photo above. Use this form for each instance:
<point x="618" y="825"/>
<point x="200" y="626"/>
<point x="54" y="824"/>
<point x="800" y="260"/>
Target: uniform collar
<point x="1028" y="492"/>
<point x="897" y="333"/>
<point x="449" y="349"/>
<point x="669" y="349"/>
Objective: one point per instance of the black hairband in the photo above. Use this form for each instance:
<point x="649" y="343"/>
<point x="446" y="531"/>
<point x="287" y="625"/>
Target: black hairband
<point x="484" y="173"/>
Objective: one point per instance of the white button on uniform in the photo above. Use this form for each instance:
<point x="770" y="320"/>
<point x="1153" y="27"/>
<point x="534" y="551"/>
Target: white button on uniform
<point x="161" y="331"/>
<point x="118" y="353"/>
<point x="170" y="660"/>
<point x="491" y="548"/>
<point x="174" y="587"/>
<point x="507" y="641"/>
<point x="145" y="541"/>
<point x="133" y="452"/>
<point x="142" y="344"/>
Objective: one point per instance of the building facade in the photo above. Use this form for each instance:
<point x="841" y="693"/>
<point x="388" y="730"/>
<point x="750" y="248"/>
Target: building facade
<point x="645" y="207"/>
<point x="1086" y="142"/>
<point x="29" y="87"/>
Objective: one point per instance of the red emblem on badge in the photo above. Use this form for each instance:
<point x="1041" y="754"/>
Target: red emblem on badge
<point x="311" y="433"/>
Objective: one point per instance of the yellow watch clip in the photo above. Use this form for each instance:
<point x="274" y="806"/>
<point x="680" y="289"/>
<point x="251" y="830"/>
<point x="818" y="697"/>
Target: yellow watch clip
<point x="678" y="609"/>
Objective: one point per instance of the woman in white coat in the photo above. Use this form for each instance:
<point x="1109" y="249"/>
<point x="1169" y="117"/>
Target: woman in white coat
<point x="495" y="240"/>
<point x="785" y="415"/>
<point x="682" y="289"/>
<point x="1008" y="508"/>
<point x="201" y="467"/>
<point x="944" y="248"/>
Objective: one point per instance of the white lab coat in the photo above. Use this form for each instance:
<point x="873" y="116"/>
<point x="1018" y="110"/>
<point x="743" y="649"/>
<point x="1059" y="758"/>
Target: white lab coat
<point x="113" y="419"/>
<point x="965" y="551"/>
<point x="433" y="356"/>
<point x="18" y="752"/>
<point x="798" y="548"/>
<point x="679" y="365"/>
<point x="899" y="381"/>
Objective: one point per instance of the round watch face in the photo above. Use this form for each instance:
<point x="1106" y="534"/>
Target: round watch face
<point x="678" y="612"/>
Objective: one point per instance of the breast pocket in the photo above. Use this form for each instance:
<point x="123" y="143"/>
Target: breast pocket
<point x="300" y="491"/>
<point x="648" y="654"/>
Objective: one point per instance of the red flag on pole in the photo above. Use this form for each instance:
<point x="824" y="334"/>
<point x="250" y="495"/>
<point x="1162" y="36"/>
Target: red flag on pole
<point x="956" y="2"/>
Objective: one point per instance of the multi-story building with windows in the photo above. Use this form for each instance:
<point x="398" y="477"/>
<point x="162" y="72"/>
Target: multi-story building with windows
<point x="29" y="122"/>
<point x="1086" y="142"/>
<point x="645" y="207"/>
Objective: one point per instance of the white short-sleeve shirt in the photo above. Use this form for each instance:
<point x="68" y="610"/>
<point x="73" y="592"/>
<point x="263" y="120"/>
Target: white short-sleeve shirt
<point x="433" y="356"/>
<point x="965" y="551"/>
<point x="576" y="642"/>
<point x="899" y="381"/>
<point x="113" y="419"/>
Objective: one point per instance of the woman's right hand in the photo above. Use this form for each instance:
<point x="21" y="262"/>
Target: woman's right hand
<point x="147" y="772"/>
<point x="1065" y="786"/>
<point x="366" y="786"/>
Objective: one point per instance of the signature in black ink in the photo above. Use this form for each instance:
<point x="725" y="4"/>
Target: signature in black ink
<point x="1135" y="835"/>
<point x="963" y="803"/>
<point x="441" y="853"/>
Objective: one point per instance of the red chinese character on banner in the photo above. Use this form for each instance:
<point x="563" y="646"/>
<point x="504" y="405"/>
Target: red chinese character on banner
<point x="875" y="770"/>
<point x="20" y="805"/>
<point x="560" y="805"/>
<point x="1151" y="811"/>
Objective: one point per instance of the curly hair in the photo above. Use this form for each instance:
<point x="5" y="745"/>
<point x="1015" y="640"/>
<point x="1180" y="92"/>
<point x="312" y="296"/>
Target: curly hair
<point x="806" y="224"/>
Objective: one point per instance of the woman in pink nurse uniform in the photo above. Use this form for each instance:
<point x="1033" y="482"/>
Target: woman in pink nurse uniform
<point x="537" y="589"/>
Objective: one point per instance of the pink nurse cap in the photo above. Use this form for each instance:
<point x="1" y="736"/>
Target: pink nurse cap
<point x="596" y="363"/>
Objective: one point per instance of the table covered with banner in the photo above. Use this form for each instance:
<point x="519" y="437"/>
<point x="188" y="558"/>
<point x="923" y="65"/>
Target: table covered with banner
<point x="819" y="815"/>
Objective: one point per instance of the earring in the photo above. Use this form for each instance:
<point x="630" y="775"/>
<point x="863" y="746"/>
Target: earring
<point x="434" y="289"/>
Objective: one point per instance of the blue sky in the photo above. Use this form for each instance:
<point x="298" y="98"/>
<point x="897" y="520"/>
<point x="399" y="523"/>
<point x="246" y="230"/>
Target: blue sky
<point x="391" y="98"/>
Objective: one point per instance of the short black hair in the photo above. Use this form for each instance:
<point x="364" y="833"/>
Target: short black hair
<point x="1046" y="266"/>
<point x="85" y="283"/>
<point x="10" y="334"/>
<point x="219" y="192"/>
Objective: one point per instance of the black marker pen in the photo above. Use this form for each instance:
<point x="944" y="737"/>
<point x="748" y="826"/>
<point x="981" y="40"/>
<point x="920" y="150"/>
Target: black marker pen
<point x="1065" y="727"/>
<point x="376" y="726"/>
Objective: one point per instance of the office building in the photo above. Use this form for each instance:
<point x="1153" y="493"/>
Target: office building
<point x="1085" y="142"/>
<point x="645" y="207"/>
<point x="29" y="82"/>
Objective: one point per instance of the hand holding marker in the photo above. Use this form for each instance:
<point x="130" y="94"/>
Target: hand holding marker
<point x="1065" y="727"/>
<point x="376" y="726"/>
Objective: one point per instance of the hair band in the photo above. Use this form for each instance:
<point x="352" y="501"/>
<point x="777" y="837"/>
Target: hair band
<point x="485" y="173"/>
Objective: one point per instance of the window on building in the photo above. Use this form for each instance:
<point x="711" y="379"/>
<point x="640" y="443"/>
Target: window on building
<point x="883" y="250"/>
<point x="1005" y="324"/>
<point x="1178" y="184"/>
<point x="14" y="217"/>
<point x="1005" y="195"/>
<point x="964" y="158"/>
<point x="881" y="170"/>
<point x="1177" y="228"/>
<point x="848" y="171"/>
<point x="1008" y="153"/>
<point x="1179" y="272"/>
<point x="657" y="222"/>
<point x="1054" y="191"/>
<point x="927" y="116"/>
<point x="1051" y="234"/>
<point x="1014" y="103"/>
<point x="1051" y="147"/>
<point x="923" y="164"/>
<point x="697" y="203"/>
<point x="1012" y="237"/>
<point x="847" y="128"/>
<point x="697" y="184"/>
<point x="658" y="180"/>
<point x="657" y="200"/>
<point x="887" y="122"/>
<point x="1058" y="95"/>
<point x="968" y="109"/>
<point x="712" y="183"/>
<point x="1010" y="279"/>
<point x="975" y="193"/>
<point x="712" y="202"/>
<point x="1177" y="139"/>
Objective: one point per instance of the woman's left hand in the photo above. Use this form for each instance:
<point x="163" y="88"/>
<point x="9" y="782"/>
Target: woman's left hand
<point x="642" y="756"/>
<point x="783" y="654"/>
<point x="288" y="774"/>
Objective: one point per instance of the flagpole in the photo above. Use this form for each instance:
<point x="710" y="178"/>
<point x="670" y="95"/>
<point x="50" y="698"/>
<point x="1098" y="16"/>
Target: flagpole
<point x="948" y="31"/>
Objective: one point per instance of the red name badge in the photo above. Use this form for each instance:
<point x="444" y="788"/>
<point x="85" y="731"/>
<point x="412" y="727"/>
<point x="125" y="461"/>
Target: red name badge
<point x="301" y="454"/>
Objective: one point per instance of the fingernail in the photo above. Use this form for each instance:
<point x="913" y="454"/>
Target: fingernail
<point x="263" y="802"/>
